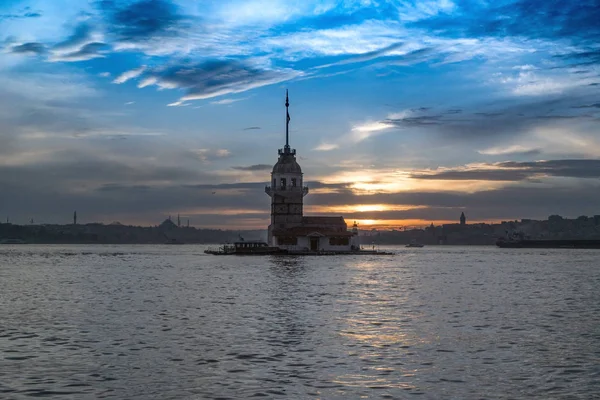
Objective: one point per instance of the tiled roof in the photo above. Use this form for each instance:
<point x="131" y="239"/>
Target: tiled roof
<point x="308" y="231"/>
<point x="323" y="221"/>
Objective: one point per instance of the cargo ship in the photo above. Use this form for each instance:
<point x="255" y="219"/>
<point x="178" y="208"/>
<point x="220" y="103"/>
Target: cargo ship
<point x="549" y="243"/>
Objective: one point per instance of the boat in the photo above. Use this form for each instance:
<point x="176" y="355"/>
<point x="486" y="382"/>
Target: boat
<point x="414" y="243"/>
<point x="549" y="243"/>
<point x="246" y="248"/>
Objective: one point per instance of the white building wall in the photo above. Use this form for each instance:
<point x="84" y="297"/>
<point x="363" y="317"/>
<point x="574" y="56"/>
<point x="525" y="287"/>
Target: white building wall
<point x="303" y="244"/>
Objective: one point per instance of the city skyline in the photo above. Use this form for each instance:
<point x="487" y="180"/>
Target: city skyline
<point x="402" y="113"/>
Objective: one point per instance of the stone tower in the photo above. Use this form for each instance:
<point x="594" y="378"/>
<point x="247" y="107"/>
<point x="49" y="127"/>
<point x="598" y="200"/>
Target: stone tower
<point x="286" y="190"/>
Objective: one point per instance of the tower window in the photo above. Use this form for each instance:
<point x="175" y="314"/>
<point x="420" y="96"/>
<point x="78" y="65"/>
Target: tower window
<point x="293" y="182"/>
<point x="283" y="183"/>
<point x="274" y="183"/>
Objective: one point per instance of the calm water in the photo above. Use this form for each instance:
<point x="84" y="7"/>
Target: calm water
<point x="169" y="322"/>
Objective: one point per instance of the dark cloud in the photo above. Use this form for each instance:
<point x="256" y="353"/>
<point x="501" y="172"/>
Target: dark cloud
<point x="564" y="168"/>
<point x="595" y="105"/>
<point x="80" y="37"/>
<point x="215" y="77"/>
<point x="423" y="120"/>
<point x="489" y="114"/>
<point x="257" y="167"/>
<point x="483" y="175"/>
<point x="519" y="171"/>
<point x="142" y="20"/>
<point x="500" y="119"/>
<point x="25" y="13"/>
<point x="80" y="46"/>
<point x="87" y="52"/>
<point x="581" y="58"/>
<point x="251" y="128"/>
<point x="577" y="21"/>
<point x="29" y="48"/>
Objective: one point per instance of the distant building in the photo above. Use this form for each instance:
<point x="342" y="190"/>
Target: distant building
<point x="289" y="228"/>
<point x="463" y="219"/>
<point x="167" y="225"/>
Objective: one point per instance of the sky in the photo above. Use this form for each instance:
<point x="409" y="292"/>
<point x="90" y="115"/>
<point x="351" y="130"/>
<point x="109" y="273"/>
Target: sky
<point x="403" y="113"/>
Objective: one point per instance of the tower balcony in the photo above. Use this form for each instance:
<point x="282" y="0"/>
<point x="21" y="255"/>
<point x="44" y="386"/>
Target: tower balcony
<point x="283" y="190"/>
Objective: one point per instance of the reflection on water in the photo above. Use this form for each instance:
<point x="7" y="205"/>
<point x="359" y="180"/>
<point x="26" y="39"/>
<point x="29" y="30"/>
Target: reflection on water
<point x="145" y="322"/>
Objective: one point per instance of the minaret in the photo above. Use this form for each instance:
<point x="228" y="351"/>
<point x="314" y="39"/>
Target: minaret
<point x="463" y="219"/>
<point x="75" y="218"/>
<point x="286" y="190"/>
<point x="178" y="221"/>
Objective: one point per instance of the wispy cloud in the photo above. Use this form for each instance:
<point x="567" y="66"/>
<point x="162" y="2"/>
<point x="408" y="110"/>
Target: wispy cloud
<point x="327" y="147"/>
<point x="131" y="74"/>
<point x="368" y="129"/>
<point x="29" y="48"/>
<point x="256" y="167"/>
<point x="510" y="150"/>
<point x="227" y="101"/>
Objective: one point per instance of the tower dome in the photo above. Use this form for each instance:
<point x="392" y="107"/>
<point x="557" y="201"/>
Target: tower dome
<point x="287" y="164"/>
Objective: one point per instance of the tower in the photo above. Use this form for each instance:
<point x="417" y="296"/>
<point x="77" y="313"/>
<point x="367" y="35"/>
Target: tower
<point x="286" y="190"/>
<point x="463" y="219"/>
<point x="75" y="218"/>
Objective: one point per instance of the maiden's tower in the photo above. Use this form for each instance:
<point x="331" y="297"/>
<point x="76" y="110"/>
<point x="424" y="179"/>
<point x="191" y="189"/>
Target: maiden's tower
<point x="289" y="228"/>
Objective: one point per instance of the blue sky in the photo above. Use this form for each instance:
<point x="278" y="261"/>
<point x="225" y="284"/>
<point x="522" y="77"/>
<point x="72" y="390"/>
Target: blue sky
<point x="403" y="112"/>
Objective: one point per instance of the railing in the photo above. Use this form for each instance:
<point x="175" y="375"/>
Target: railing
<point x="303" y="189"/>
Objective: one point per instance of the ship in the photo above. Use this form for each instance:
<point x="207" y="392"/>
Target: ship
<point x="246" y="248"/>
<point x="549" y="243"/>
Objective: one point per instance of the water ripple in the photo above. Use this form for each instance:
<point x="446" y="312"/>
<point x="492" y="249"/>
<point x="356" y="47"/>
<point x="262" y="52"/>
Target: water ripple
<point x="167" y="322"/>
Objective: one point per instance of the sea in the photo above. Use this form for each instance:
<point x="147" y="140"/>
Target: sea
<point x="170" y="322"/>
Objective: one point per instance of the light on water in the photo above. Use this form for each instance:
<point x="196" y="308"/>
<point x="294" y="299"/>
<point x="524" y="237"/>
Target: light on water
<point x="167" y="322"/>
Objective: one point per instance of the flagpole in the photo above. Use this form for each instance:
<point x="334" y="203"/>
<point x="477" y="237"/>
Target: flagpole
<point x="287" y="122"/>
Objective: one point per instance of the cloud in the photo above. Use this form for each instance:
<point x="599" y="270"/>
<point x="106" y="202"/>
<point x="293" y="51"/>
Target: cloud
<point x="595" y="105"/>
<point x="510" y="150"/>
<point x="208" y="155"/>
<point x="142" y="21"/>
<point x="250" y="128"/>
<point x="214" y="78"/>
<point x="227" y="101"/>
<point x="256" y="167"/>
<point x="25" y="13"/>
<point x="327" y="147"/>
<point x="131" y="74"/>
<point x="87" y="52"/>
<point x="32" y="48"/>
<point x="82" y="35"/>
<point x="368" y="129"/>
<point x="535" y="19"/>
<point x="366" y="56"/>
<point x="85" y="43"/>
<point x="518" y="171"/>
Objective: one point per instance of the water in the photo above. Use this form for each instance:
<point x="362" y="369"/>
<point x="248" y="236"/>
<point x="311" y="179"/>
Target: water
<point x="169" y="322"/>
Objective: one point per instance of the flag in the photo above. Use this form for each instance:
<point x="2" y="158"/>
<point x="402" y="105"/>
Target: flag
<point x="288" y="116"/>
